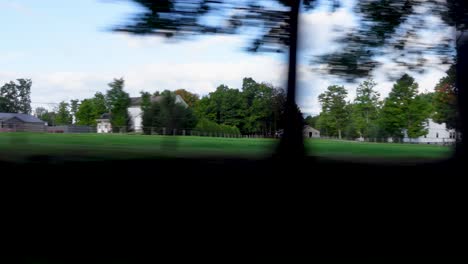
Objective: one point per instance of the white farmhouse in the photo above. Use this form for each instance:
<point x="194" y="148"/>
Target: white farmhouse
<point x="437" y="134"/>
<point x="136" y="114"/>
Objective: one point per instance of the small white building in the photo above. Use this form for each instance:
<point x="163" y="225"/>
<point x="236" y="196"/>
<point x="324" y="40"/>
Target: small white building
<point x="136" y="114"/>
<point x="103" y="124"/>
<point x="437" y="134"/>
<point x="310" y="132"/>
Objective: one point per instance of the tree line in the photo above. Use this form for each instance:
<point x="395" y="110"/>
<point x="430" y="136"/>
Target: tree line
<point x="255" y="108"/>
<point x="404" y="110"/>
<point x="85" y="112"/>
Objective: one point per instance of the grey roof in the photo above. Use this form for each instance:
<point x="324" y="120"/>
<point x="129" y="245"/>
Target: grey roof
<point x="23" y="117"/>
<point x="136" y="101"/>
<point x="309" y="127"/>
<point x="105" y="116"/>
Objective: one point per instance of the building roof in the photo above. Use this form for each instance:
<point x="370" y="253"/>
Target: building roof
<point x="136" y="101"/>
<point x="23" y="117"/>
<point x="309" y="127"/>
<point x="105" y="116"/>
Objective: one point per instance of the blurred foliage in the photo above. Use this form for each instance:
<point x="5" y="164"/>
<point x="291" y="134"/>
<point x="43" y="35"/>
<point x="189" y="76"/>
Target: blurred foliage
<point x="387" y="28"/>
<point x="182" y="18"/>
<point x="392" y="29"/>
<point x="445" y="100"/>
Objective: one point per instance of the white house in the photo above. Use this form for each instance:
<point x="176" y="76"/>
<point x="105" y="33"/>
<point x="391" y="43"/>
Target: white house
<point x="310" y="132"/>
<point x="136" y="114"/>
<point x="103" y="124"/>
<point x="437" y="134"/>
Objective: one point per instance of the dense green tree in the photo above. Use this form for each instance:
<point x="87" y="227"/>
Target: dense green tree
<point x="224" y="106"/>
<point x="86" y="114"/>
<point x="74" y="105"/>
<point x="189" y="98"/>
<point x="64" y="116"/>
<point x="364" y="110"/>
<point x="145" y="101"/>
<point x="91" y="109"/>
<point x="168" y="114"/>
<point x="17" y="97"/>
<point x="257" y="109"/>
<point x="3" y="104"/>
<point x="445" y="100"/>
<point x="311" y="121"/>
<point x="404" y="110"/>
<point x="46" y="116"/>
<point x="100" y="104"/>
<point x="335" y="114"/>
<point x="118" y="102"/>
<point x="418" y="113"/>
<point x="208" y="127"/>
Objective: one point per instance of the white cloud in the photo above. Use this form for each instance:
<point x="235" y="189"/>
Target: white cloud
<point x="317" y="29"/>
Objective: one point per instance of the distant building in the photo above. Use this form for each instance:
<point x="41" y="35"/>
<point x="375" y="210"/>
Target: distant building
<point x="437" y="134"/>
<point x="104" y="124"/>
<point x="11" y="122"/>
<point x="136" y="114"/>
<point x="310" y="132"/>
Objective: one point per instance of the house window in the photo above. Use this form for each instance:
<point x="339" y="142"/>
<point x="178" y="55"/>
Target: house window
<point x="437" y="135"/>
<point x="425" y="136"/>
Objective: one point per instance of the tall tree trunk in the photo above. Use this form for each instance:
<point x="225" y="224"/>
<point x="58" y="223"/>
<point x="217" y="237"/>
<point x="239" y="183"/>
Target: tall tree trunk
<point x="291" y="144"/>
<point x="462" y="84"/>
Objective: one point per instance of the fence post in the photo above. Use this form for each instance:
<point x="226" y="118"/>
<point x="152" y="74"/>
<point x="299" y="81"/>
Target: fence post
<point x="174" y="131"/>
<point x="183" y="132"/>
<point x="164" y="131"/>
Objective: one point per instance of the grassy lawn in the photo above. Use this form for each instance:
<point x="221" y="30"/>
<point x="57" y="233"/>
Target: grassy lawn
<point x="335" y="148"/>
<point x="17" y="146"/>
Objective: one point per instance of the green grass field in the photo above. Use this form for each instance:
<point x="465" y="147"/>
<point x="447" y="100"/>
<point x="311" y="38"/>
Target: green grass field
<point x="18" y="146"/>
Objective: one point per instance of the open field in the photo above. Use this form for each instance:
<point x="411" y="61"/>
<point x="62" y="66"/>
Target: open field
<point x="18" y="146"/>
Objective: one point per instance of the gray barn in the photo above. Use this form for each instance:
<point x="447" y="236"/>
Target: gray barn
<point x="11" y="122"/>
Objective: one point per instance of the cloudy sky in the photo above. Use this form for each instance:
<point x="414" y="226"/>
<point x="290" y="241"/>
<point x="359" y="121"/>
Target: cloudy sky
<point x="69" y="53"/>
